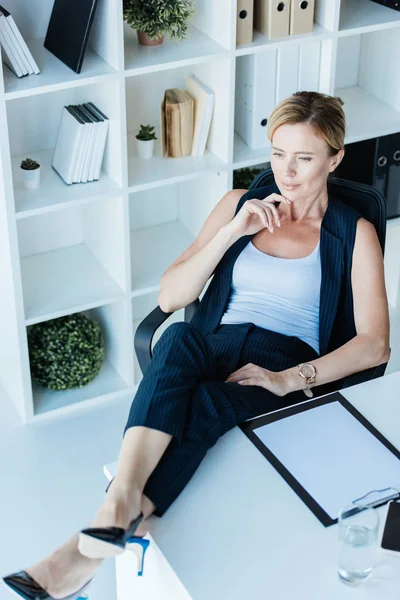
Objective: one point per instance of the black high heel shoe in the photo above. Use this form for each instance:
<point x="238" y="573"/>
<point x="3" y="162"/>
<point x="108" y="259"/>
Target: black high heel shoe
<point x="26" y="587"/>
<point x="102" y="542"/>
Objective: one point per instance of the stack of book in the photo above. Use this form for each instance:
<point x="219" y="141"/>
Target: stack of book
<point x="186" y="119"/>
<point x="81" y="140"/>
<point x="16" y="54"/>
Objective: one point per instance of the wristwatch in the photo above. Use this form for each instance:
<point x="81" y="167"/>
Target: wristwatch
<point x="307" y="372"/>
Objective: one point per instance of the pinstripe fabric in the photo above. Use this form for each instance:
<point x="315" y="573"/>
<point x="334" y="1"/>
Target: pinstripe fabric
<point x="183" y="391"/>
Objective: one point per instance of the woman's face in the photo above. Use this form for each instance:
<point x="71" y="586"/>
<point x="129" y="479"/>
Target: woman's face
<point x="300" y="161"/>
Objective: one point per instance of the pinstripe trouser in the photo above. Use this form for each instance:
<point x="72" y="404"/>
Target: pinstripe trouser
<point x="183" y="393"/>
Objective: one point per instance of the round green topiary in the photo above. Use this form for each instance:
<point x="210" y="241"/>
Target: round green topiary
<point x="65" y="353"/>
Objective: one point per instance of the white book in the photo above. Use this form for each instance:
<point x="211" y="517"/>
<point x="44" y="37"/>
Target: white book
<point x="8" y="56"/>
<point x="89" y="149"/>
<point x="98" y="136"/>
<point x="80" y="163"/>
<point x="69" y="142"/>
<point x="20" y="40"/>
<point x="15" y="46"/>
<point x="102" y="145"/>
<point x="203" y="97"/>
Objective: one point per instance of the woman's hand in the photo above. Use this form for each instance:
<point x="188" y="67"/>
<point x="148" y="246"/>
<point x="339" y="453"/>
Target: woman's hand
<point x="276" y="382"/>
<point x="256" y="214"/>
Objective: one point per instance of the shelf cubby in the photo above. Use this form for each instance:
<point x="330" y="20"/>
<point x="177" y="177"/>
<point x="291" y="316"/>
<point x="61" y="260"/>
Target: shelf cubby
<point x="358" y="16"/>
<point x="116" y="375"/>
<point x="102" y="57"/>
<point x="33" y="132"/>
<point x="72" y="261"/>
<point x="164" y="222"/>
<point x="144" y="94"/>
<point x="369" y="91"/>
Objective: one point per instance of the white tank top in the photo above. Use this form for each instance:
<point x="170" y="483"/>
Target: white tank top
<point x="279" y="294"/>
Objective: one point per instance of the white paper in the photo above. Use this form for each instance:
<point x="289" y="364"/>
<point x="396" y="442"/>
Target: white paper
<point x="332" y="455"/>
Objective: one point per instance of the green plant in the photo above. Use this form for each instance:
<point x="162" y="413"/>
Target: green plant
<point x="65" y="353"/>
<point x="159" y="17"/>
<point x="29" y="164"/>
<point x="146" y="133"/>
<point x="242" y="178"/>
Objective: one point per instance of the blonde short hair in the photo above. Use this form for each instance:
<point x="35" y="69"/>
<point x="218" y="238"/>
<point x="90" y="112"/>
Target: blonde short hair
<point x="323" y="112"/>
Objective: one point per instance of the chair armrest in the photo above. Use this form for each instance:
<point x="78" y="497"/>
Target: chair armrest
<point x="147" y="328"/>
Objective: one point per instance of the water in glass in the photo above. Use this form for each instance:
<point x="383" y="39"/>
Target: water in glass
<point x="357" y="553"/>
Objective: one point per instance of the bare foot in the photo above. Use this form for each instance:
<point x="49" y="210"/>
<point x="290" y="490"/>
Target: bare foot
<point x="120" y="507"/>
<point x="64" y="571"/>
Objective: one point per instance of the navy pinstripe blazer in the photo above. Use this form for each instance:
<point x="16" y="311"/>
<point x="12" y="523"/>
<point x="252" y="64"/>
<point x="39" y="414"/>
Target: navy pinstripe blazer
<point x="336" y="315"/>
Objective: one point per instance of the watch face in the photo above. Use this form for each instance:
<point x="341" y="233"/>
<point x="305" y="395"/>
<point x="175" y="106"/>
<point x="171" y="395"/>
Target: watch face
<point x="307" y="371"/>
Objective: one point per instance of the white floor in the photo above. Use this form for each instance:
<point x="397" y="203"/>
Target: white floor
<point x="52" y="482"/>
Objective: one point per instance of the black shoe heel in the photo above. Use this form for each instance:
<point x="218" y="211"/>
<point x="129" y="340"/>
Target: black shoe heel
<point x="102" y="542"/>
<point x="24" y="586"/>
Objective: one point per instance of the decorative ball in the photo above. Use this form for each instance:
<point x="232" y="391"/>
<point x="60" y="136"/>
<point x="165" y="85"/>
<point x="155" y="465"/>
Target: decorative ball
<point x="65" y="353"/>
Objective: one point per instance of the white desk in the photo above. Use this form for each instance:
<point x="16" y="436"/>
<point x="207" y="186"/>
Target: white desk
<point x="239" y="531"/>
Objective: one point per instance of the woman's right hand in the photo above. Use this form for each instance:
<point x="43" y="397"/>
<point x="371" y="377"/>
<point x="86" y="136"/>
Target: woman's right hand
<point x="256" y="214"/>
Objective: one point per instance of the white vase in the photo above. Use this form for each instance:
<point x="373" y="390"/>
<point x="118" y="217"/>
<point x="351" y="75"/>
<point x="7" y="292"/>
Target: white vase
<point x="31" y="178"/>
<point x="145" y="148"/>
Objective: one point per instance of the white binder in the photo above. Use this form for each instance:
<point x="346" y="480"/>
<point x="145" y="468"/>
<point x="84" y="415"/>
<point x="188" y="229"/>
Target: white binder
<point x="309" y="66"/>
<point x="287" y="71"/>
<point x="255" y="96"/>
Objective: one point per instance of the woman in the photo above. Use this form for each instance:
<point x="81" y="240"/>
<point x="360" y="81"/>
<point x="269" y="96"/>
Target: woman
<point x="285" y="312"/>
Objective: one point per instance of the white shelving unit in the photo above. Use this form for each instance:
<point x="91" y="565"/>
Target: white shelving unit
<point x="101" y="247"/>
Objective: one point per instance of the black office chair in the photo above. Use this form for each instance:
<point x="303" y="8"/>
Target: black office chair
<point x="367" y="200"/>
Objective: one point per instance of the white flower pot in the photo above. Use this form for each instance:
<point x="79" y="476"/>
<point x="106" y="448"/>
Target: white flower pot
<point x="145" y="148"/>
<point x="31" y="178"/>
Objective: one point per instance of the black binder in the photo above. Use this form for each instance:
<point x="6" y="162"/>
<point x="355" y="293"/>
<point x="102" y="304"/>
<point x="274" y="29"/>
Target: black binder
<point x="368" y="162"/>
<point x="68" y="31"/>
<point x="393" y="183"/>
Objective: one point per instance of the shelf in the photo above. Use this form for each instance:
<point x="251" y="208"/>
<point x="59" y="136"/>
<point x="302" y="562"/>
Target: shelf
<point x="64" y="281"/>
<point x="361" y="17"/>
<point x="108" y="385"/>
<point x="243" y="156"/>
<point x="53" y="193"/>
<point x="366" y="115"/>
<point x="158" y="170"/>
<point x="171" y="53"/>
<point x="153" y="249"/>
<point x="54" y="75"/>
<point x="262" y="42"/>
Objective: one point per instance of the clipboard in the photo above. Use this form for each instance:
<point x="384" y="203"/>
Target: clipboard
<point x="329" y="454"/>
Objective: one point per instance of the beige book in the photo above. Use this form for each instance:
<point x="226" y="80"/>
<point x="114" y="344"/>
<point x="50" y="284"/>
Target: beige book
<point x="271" y="17"/>
<point x="203" y="97"/>
<point x="176" y="123"/>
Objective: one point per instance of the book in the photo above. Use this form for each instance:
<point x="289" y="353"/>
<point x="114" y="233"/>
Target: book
<point x="101" y="139"/>
<point x="176" y="123"/>
<point x="203" y="98"/>
<point x="16" y="49"/>
<point x="9" y="56"/>
<point x="20" y="41"/>
<point x="68" y="31"/>
<point x="80" y="143"/>
<point x="69" y="143"/>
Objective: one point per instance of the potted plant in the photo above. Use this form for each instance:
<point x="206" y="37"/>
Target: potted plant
<point x="145" y="141"/>
<point x="31" y="173"/>
<point x="154" y="18"/>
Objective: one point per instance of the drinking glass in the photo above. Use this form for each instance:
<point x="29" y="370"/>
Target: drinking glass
<point x="358" y="532"/>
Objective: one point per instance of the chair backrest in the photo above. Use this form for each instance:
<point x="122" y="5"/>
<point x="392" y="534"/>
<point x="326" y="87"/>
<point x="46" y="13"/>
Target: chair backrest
<point x="365" y="199"/>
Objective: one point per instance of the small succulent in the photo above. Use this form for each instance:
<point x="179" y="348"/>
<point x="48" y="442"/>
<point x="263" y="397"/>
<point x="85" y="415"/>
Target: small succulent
<point x="29" y="164"/>
<point x="146" y="133"/>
